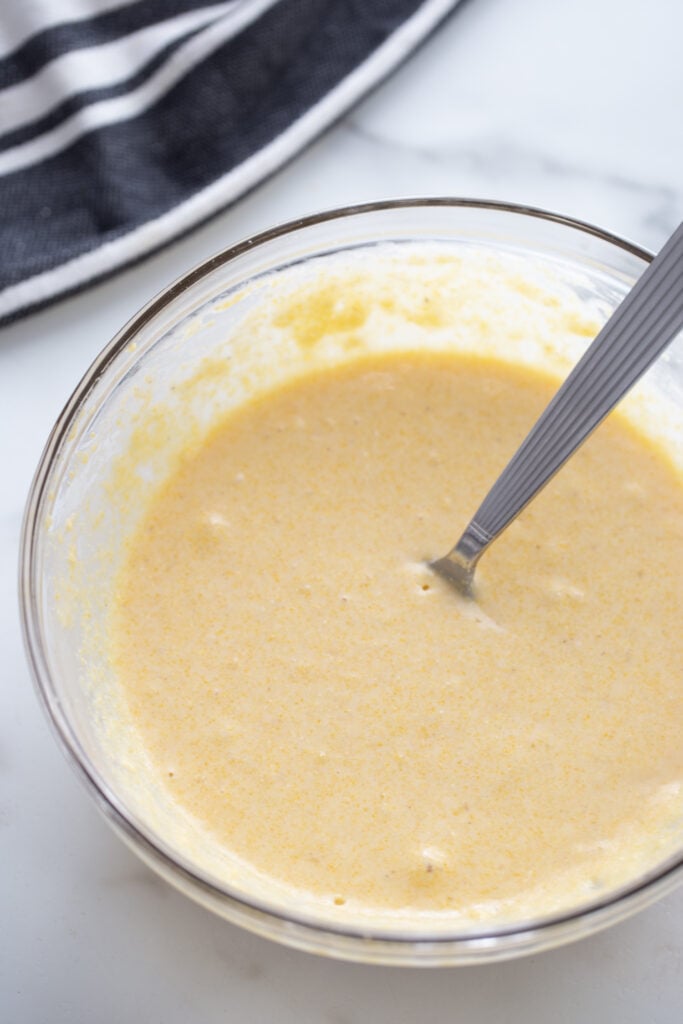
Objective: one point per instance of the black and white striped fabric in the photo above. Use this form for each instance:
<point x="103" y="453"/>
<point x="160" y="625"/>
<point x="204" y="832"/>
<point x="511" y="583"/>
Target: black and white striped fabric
<point x="122" y="124"/>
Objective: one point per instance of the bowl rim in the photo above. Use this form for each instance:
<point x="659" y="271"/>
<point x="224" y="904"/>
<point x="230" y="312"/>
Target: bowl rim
<point x="143" y="840"/>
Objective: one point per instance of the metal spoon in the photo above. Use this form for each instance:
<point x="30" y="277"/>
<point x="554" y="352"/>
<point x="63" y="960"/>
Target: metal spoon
<point x="637" y="332"/>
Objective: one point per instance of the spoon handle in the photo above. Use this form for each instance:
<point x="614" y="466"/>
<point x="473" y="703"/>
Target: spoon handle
<point x="640" y="328"/>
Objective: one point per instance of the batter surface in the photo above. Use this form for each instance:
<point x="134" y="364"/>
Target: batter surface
<point x="338" y="717"/>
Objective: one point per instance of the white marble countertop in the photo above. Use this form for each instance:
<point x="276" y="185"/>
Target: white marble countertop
<point x="570" y="106"/>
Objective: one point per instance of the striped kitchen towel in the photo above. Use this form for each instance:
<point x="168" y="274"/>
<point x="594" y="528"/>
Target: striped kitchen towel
<point x="123" y="125"/>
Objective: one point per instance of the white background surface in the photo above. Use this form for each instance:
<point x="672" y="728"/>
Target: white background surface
<point x="575" y="106"/>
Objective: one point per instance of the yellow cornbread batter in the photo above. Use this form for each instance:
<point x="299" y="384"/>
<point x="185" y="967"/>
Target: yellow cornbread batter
<point x="336" y="716"/>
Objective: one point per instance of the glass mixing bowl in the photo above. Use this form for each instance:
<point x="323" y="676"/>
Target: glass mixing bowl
<point x="74" y="527"/>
